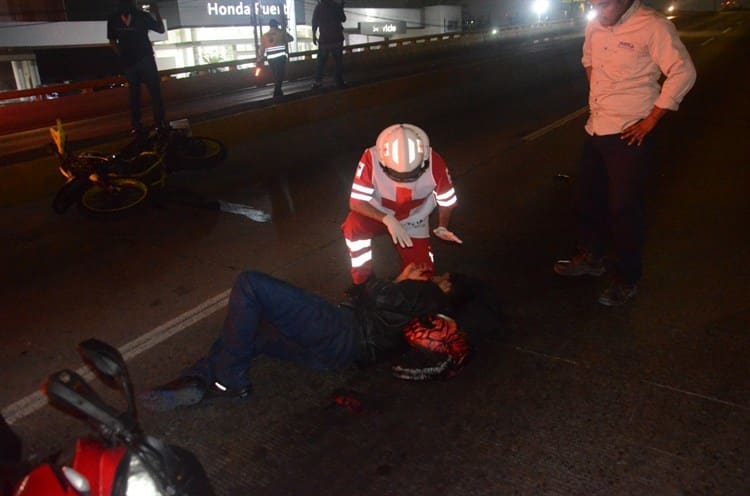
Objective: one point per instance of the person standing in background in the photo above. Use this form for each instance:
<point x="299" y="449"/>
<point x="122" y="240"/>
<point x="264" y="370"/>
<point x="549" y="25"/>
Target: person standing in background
<point x="328" y="17"/>
<point x="127" y="31"/>
<point x="273" y="48"/>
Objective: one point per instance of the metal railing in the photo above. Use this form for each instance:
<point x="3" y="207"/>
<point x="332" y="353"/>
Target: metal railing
<point x="83" y="87"/>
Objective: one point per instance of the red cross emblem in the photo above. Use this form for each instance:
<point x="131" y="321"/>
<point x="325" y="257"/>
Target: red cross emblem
<point x="403" y="204"/>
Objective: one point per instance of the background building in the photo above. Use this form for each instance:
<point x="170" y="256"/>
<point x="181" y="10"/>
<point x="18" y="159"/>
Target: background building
<point x="45" y="42"/>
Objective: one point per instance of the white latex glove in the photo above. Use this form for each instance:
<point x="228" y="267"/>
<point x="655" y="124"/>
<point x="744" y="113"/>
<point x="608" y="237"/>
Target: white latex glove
<point x="446" y="235"/>
<point x="397" y="231"/>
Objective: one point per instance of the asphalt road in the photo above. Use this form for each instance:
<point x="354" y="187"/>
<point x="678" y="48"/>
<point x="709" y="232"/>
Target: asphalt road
<point x="572" y="398"/>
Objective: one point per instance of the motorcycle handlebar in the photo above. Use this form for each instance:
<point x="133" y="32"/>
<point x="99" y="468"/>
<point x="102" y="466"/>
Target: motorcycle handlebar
<point x="68" y="389"/>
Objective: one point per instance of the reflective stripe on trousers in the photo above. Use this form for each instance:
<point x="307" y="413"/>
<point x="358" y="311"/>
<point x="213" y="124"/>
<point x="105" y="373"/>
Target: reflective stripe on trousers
<point x="358" y="232"/>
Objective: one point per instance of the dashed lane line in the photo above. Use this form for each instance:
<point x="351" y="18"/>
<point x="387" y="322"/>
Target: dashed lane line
<point x="34" y="401"/>
<point x="558" y="123"/>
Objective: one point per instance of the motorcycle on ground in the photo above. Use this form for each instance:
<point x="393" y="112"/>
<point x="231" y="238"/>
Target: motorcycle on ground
<point x="107" y="183"/>
<point x="121" y="460"/>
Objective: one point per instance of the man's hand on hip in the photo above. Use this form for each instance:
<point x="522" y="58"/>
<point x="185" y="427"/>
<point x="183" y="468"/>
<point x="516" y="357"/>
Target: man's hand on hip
<point x="637" y="132"/>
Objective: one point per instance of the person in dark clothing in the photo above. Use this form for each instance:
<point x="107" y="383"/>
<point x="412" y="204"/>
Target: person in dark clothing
<point x="305" y="329"/>
<point x="328" y="18"/>
<point x="127" y="31"/>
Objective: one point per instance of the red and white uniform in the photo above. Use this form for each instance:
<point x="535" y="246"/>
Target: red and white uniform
<point x="409" y="202"/>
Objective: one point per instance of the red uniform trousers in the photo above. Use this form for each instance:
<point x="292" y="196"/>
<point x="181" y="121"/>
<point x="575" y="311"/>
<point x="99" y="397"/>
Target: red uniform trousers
<point x="359" y="230"/>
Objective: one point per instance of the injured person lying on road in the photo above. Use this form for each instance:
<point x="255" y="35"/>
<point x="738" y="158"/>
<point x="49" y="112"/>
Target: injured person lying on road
<point x="268" y="316"/>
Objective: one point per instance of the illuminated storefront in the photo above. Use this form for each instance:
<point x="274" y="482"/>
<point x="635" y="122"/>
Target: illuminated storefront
<point x="210" y="31"/>
<point x="199" y="32"/>
<point x="205" y="31"/>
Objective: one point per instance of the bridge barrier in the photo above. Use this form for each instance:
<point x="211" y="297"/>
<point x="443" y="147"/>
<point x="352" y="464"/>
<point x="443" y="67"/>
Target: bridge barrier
<point x="22" y="110"/>
<point x="38" y="177"/>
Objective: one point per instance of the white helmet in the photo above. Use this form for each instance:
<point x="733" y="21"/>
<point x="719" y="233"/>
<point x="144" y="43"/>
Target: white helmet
<point x="403" y="152"/>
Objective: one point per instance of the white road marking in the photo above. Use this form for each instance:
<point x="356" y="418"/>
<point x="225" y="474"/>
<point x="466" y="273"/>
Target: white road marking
<point x="697" y="395"/>
<point x="34" y="401"/>
<point x="558" y="123"/>
<point x="244" y="210"/>
<point x="645" y="381"/>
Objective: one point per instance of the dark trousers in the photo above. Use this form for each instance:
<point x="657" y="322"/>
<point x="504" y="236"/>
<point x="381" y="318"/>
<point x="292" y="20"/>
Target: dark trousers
<point x="278" y="70"/>
<point x="610" y="201"/>
<point x="144" y="71"/>
<point x="302" y="327"/>
<point x="335" y="50"/>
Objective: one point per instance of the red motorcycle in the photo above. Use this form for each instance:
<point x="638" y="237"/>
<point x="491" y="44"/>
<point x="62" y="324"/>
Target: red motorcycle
<point x="121" y="460"/>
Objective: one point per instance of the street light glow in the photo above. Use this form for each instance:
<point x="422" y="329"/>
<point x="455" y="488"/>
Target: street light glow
<point x="540" y="7"/>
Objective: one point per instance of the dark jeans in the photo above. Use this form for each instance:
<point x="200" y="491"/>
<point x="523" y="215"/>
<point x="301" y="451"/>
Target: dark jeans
<point x="304" y="328"/>
<point x="278" y="69"/>
<point x="335" y="50"/>
<point x="610" y="201"/>
<point x="144" y="71"/>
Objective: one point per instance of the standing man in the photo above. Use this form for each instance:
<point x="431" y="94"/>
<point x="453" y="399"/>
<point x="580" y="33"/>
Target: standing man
<point x="329" y="17"/>
<point x="398" y="183"/>
<point x="127" y="31"/>
<point x="626" y="49"/>
<point x="273" y="47"/>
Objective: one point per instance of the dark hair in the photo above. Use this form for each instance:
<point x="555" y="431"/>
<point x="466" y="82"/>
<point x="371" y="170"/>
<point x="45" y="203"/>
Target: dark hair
<point x="273" y="23"/>
<point x="463" y="289"/>
<point x="125" y="7"/>
<point x="475" y="305"/>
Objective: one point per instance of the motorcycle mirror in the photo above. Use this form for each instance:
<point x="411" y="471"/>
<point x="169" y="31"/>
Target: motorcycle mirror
<point x="69" y="390"/>
<point x="107" y="360"/>
<point x="104" y="357"/>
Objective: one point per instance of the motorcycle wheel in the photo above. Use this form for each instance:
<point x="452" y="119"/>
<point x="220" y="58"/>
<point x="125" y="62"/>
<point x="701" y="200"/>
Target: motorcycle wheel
<point x="195" y="152"/>
<point x="115" y="196"/>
